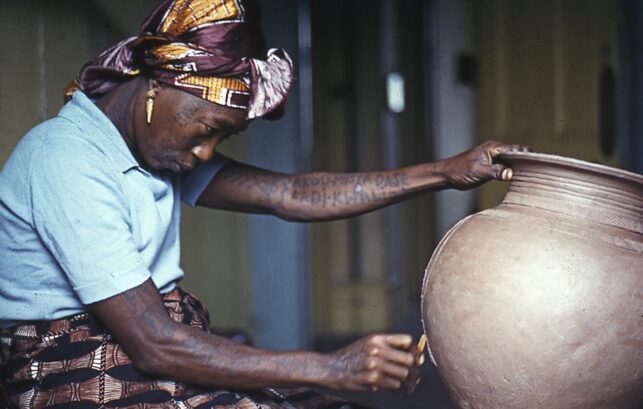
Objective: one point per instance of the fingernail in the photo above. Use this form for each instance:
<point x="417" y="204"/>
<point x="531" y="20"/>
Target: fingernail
<point x="507" y="174"/>
<point x="421" y="360"/>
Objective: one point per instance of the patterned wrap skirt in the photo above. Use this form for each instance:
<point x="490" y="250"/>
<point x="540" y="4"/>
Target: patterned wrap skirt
<point x="75" y="363"/>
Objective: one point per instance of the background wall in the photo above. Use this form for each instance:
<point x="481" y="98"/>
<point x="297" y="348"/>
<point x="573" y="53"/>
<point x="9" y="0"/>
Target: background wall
<point x="548" y="76"/>
<point x="359" y="287"/>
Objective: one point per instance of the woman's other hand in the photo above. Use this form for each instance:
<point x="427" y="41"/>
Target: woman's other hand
<point x="380" y="361"/>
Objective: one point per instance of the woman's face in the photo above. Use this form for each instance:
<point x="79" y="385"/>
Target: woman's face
<point x="185" y="130"/>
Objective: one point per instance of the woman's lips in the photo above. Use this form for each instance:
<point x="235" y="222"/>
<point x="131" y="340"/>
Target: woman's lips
<point x="186" y="167"/>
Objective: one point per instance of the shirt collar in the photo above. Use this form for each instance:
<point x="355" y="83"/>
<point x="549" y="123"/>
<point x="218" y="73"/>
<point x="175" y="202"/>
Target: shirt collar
<point x="99" y="129"/>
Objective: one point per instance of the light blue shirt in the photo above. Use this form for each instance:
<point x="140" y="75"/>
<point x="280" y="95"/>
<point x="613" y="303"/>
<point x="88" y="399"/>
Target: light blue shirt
<point x="81" y="221"/>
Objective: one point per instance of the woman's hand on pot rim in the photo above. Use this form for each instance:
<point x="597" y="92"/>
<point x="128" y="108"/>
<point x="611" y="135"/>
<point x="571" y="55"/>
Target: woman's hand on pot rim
<point x="479" y="164"/>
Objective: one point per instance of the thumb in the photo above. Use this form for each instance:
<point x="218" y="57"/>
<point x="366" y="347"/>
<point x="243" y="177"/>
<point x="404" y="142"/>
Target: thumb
<point x="401" y="341"/>
<point x="501" y="172"/>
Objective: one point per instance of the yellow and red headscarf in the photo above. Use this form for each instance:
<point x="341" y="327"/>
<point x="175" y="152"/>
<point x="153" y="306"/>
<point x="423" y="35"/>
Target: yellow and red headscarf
<point x="213" y="49"/>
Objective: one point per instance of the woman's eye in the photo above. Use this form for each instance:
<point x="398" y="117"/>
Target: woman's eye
<point x="210" y="129"/>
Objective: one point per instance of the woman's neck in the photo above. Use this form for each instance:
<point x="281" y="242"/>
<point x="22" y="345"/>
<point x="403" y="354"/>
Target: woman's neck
<point x="119" y="106"/>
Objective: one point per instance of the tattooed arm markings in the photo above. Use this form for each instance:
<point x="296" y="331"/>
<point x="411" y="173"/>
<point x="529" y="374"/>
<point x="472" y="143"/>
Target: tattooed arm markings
<point x="337" y="191"/>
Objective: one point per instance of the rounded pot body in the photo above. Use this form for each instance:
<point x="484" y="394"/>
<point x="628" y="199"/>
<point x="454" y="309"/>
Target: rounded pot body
<point x="538" y="303"/>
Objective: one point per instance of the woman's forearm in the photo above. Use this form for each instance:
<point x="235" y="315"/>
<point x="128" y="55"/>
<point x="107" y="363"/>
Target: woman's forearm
<point x="195" y="357"/>
<point x="162" y="347"/>
<point x="317" y="196"/>
<point x="169" y="350"/>
<point x="327" y="196"/>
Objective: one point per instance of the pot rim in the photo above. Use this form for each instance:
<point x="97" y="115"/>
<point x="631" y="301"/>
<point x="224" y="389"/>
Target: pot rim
<point x="511" y="158"/>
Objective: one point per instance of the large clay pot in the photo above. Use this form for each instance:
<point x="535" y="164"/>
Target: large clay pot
<point x="538" y="303"/>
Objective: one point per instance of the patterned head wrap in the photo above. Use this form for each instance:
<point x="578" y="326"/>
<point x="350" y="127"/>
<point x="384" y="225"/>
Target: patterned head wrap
<point x="213" y="49"/>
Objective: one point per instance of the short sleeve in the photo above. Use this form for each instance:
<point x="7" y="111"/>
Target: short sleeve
<point x="81" y="216"/>
<point x="194" y="183"/>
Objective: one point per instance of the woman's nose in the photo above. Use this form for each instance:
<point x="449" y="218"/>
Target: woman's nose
<point x="204" y="152"/>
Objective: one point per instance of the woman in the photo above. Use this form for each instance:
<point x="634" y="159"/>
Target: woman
<point x="89" y="213"/>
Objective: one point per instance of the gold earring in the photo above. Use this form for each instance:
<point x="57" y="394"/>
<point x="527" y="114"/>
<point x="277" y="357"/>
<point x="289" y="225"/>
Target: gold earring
<point x="149" y="103"/>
